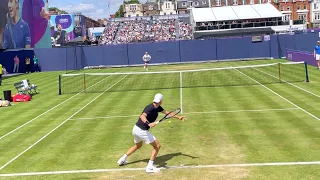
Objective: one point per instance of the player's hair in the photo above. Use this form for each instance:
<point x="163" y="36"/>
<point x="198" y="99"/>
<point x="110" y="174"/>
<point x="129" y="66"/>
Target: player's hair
<point x="57" y="25"/>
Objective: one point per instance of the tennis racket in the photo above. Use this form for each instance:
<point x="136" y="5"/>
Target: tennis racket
<point x="170" y="115"/>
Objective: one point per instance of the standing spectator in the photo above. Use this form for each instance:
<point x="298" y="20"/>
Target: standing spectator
<point x="36" y="65"/>
<point x="27" y="65"/>
<point x="316" y="53"/>
<point x="0" y="74"/>
<point x="16" y="64"/>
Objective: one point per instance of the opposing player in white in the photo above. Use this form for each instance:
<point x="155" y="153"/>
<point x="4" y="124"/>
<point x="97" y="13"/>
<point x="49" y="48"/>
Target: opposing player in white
<point x="141" y="132"/>
<point x="146" y="58"/>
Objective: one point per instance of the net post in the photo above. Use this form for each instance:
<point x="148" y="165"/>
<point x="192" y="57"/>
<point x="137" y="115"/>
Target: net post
<point x="306" y="69"/>
<point x="59" y="85"/>
<point x="279" y="72"/>
<point x="181" y="92"/>
<point x="84" y="83"/>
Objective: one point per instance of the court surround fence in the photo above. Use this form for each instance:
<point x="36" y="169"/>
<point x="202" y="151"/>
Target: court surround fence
<point x="237" y="48"/>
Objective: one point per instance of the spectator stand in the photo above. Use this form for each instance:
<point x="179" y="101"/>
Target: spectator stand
<point x="234" y="20"/>
<point x="147" y="29"/>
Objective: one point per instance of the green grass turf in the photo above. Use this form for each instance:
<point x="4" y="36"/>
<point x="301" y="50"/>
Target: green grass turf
<point x="214" y="137"/>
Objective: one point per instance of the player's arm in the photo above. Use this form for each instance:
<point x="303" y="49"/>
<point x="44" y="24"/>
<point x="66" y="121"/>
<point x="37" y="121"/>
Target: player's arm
<point x="144" y="119"/>
<point x="176" y="116"/>
<point x="27" y="37"/>
<point x="55" y="35"/>
<point x="66" y="36"/>
<point x="6" y="37"/>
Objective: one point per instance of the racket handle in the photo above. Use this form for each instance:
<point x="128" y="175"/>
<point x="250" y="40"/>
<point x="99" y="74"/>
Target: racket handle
<point x="157" y="122"/>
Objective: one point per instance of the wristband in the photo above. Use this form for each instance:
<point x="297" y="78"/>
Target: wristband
<point x="147" y="123"/>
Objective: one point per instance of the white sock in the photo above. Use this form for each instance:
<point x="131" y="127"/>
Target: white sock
<point x="150" y="163"/>
<point x="124" y="156"/>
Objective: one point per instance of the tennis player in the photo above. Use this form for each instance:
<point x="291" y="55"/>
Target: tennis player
<point x="20" y="29"/>
<point x="141" y="132"/>
<point x="146" y="58"/>
<point x="316" y="53"/>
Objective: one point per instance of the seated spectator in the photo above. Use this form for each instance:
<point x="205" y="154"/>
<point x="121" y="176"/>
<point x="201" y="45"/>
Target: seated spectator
<point x="4" y="71"/>
<point x="142" y="30"/>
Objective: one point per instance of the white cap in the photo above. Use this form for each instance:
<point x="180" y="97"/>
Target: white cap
<point x="157" y="98"/>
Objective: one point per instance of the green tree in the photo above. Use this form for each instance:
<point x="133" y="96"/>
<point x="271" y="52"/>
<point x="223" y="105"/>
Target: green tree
<point x="132" y="2"/>
<point x="120" y="12"/>
<point x="57" y="10"/>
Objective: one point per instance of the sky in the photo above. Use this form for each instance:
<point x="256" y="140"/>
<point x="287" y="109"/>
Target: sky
<point x="91" y="8"/>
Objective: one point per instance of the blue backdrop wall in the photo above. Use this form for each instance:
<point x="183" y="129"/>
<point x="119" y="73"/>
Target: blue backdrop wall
<point x="73" y="58"/>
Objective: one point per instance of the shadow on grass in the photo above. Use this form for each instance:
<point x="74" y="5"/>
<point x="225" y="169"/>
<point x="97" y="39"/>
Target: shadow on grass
<point x="161" y="161"/>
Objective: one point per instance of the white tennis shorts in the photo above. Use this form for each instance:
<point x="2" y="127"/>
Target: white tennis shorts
<point x="142" y="135"/>
<point x="318" y="57"/>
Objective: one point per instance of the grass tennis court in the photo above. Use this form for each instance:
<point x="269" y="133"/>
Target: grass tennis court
<point x="229" y="129"/>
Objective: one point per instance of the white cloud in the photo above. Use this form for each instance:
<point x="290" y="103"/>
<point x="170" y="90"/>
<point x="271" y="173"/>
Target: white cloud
<point x="79" y="8"/>
<point x="100" y="11"/>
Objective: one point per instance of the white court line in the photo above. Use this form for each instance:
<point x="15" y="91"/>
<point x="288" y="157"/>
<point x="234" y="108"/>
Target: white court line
<point x="279" y="95"/>
<point x="167" y="167"/>
<point x="59" y="125"/>
<point x="249" y="110"/>
<point x="289" y="83"/>
<point x="209" y="112"/>
<point x="48" y="110"/>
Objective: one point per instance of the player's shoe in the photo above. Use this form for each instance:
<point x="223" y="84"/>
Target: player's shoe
<point x="122" y="162"/>
<point x="152" y="169"/>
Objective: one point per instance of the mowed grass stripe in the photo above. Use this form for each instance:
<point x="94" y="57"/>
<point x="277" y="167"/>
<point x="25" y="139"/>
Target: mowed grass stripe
<point x="226" y="144"/>
<point x="276" y="146"/>
<point x="103" y="104"/>
<point x="76" y="128"/>
<point x="111" y="103"/>
<point x="304" y="100"/>
<point x="293" y="148"/>
<point x="246" y="121"/>
<point x="55" y="103"/>
<point x="37" y="104"/>
<point x="110" y="136"/>
<point x="27" y="110"/>
<point x="36" y="130"/>
<point x="39" y="141"/>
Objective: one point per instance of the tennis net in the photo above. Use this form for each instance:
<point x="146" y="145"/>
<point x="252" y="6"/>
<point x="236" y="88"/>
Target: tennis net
<point x="213" y="77"/>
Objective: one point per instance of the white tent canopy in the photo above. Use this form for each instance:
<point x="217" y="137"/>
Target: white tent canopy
<point x="255" y="11"/>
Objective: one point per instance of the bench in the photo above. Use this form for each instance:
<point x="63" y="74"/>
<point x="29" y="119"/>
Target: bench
<point x="20" y="87"/>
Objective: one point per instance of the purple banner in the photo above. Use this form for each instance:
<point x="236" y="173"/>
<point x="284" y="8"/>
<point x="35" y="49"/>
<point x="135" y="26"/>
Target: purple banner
<point x="296" y="56"/>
